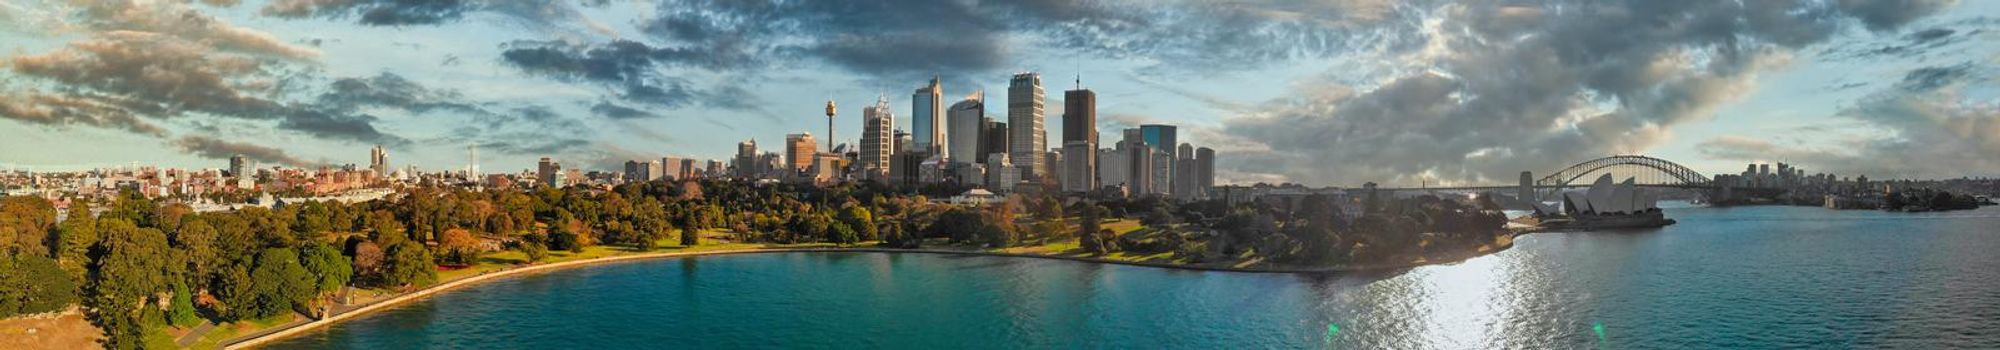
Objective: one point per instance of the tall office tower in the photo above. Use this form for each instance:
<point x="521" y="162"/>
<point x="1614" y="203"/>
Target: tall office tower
<point x="1163" y="172"/>
<point x="927" y="118"/>
<point x="1079" y="139"/>
<point x="965" y="119"/>
<point x="1141" y="183"/>
<point x="1112" y="167"/>
<point x="901" y="143"/>
<point x="1184" y="170"/>
<point x="746" y="159"/>
<point x="472" y="160"/>
<point x="378" y="160"/>
<point x="993" y="141"/>
<point x="1163" y="138"/>
<point x="799" y="150"/>
<point x="1204" y="159"/>
<point x="548" y="172"/>
<point x="1024" y="115"/>
<point x="877" y="138"/>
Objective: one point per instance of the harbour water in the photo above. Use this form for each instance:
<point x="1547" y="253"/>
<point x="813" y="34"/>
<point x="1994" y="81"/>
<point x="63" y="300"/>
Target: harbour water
<point x="1744" y="277"/>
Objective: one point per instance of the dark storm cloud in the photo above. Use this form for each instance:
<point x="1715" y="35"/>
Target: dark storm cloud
<point x="1883" y="15"/>
<point x="212" y="148"/>
<point x="58" y="110"/>
<point x="1537" y="86"/>
<point x="373" y="12"/>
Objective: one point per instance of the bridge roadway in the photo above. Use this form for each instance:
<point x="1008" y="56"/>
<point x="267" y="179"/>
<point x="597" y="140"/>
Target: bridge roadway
<point x="1538" y="187"/>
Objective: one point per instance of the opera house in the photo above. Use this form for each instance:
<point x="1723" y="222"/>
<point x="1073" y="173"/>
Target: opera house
<point x="1605" y="205"/>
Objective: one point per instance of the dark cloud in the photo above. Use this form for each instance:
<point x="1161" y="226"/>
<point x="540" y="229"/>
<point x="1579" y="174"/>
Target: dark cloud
<point x="1536" y="86"/>
<point x="392" y="91"/>
<point x="374" y="12"/>
<point x="634" y="70"/>
<point x="611" y="110"/>
<point x="212" y="148"/>
<point x="1883" y="15"/>
<point x="1931" y="78"/>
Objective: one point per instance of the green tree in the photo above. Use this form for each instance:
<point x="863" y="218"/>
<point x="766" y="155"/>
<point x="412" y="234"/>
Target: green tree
<point x="33" y="284"/>
<point x="531" y="245"/>
<point x="861" y="221"/>
<point x="690" y="229"/>
<point x="238" y="294"/>
<point x="280" y="283"/>
<point x="181" y="313"/>
<point x="134" y="264"/>
<point x="329" y="269"/>
<point x="409" y="264"/>
<point x="75" y="239"/>
<point x="196" y="241"/>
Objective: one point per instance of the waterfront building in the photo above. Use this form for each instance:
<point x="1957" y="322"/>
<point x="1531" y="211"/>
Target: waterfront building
<point x="1024" y="115"/>
<point x="927" y="128"/>
<point x="877" y="138"/>
<point x="799" y="151"/>
<point x="966" y="118"/>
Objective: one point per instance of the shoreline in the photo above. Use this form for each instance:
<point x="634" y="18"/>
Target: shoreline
<point x="269" y="336"/>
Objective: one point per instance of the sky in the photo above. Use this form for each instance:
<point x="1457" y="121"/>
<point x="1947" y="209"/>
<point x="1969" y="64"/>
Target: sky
<point x="1315" y="92"/>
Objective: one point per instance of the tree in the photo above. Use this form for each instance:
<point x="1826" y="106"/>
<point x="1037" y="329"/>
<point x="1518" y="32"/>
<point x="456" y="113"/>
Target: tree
<point x="531" y="245"/>
<point x="368" y="260"/>
<point x="459" y="246"/>
<point x="862" y="221"/>
<point x="563" y="239"/>
<point x="196" y="241"/>
<point x="25" y="224"/>
<point x="33" y="284"/>
<point x="690" y="229"/>
<point x="1089" y="221"/>
<point x="329" y="269"/>
<point x="74" y="241"/>
<point x="232" y="285"/>
<point x="279" y="282"/>
<point x="133" y="264"/>
<point x="409" y="264"/>
<point x="181" y="312"/>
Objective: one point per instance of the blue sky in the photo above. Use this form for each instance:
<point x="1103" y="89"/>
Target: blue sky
<point x="1318" y="92"/>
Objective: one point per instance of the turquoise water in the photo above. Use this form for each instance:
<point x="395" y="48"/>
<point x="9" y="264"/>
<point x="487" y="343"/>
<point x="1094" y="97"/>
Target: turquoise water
<point x="1753" y="277"/>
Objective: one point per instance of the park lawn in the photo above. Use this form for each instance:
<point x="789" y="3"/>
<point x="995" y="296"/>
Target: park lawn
<point x="1123" y="226"/>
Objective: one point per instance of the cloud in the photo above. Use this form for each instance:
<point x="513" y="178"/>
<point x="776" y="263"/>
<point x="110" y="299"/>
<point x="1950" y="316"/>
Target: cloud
<point x="392" y="91"/>
<point x="633" y="69"/>
<point x="59" y="110"/>
<point x="1535" y="87"/>
<point x="1933" y="130"/>
<point x="177" y="19"/>
<point x="615" y="111"/>
<point x="212" y="148"/>
<point x="543" y="14"/>
<point x="163" y="76"/>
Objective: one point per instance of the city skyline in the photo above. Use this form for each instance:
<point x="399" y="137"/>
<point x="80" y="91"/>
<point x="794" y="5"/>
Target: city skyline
<point x="1341" y="94"/>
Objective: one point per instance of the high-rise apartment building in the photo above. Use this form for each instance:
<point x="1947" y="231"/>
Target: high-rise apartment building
<point x="240" y="168"/>
<point x="877" y="138"/>
<point x="965" y="120"/>
<point x="1079" y="140"/>
<point x="1204" y="159"/>
<point x="1024" y="115"/>
<point x="799" y="151"/>
<point x="927" y="119"/>
<point x="378" y="160"/>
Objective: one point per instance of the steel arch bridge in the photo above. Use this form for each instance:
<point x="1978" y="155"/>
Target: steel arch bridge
<point x="1676" y="174"/>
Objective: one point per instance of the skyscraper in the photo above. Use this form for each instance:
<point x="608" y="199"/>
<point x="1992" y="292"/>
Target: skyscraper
<point x="993" y="141"/>
<point x="1024" y="115"/>
<point x="926" y="118"/>
<point x="548" y="172"/>
<point x="965" y="119"/>
<point x="1204" y="159"/>
<point x="1184" y="173"/>
<point x="829" y="124"/>
<point x="746" y="159"/>
<point x="877" y="138"/>
<point x="240" y="168"/>
<point x="1079" y="140"/>
<point x="1163" y="138"/>
<point x="799" y="151"/>
<point x="378" y="160"/>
